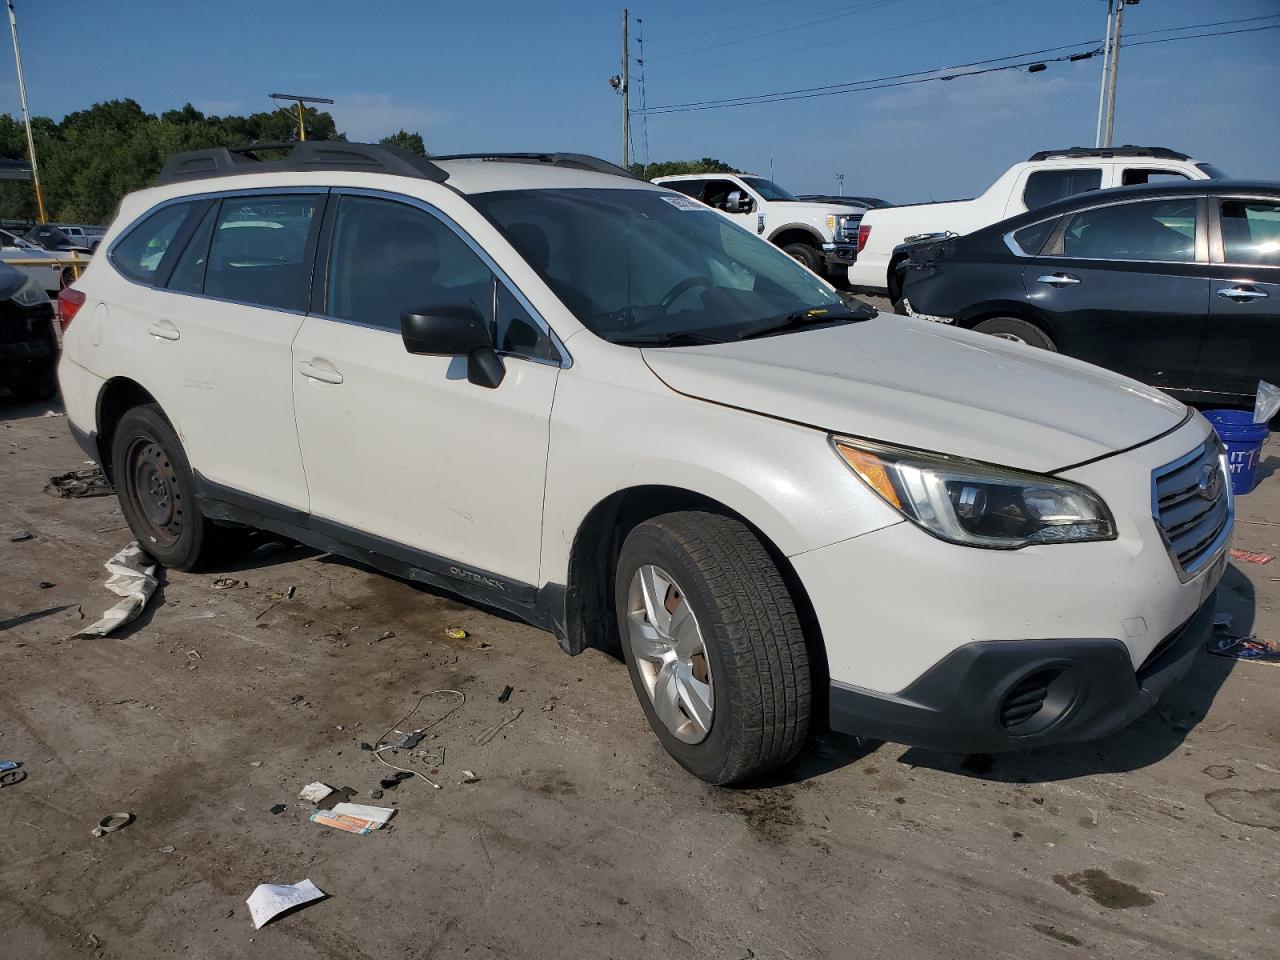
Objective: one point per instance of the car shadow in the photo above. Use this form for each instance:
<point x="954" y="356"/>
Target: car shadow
<point x="22" y="618"/>
<point x="14" y="409"/>
<point x="1267" y="467"/>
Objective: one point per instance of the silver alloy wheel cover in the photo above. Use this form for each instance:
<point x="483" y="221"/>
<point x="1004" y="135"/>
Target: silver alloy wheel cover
<point x="664" y="644"/>
<point x="1008" y="336"/>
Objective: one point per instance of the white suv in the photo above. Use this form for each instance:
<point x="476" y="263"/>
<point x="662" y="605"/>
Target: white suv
<point x="603" y="407"/>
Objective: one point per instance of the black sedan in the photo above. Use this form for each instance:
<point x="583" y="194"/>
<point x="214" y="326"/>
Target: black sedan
<point x="1173" y="284"/>
<point x="28" y="343"/>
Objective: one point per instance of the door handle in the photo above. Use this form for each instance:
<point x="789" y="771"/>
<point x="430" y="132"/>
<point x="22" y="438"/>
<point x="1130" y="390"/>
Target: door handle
<point x="325" y="374"/>
<point x="1058" y="279"/>
<point x="164" y="330"/>
<point x="1241" y="294"/>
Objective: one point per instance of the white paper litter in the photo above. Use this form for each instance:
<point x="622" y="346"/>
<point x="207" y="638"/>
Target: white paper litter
<point x="375" y="815"/>
<point x="133" y="578"/>
<point x="269" y="900"/>
<point x="315" y="792"/>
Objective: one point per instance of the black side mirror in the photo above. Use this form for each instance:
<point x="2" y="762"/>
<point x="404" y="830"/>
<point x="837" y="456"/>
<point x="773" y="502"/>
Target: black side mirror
<point x="454" y="331"/>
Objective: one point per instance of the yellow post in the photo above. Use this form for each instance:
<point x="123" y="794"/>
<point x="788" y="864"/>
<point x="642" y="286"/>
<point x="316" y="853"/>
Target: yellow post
<point x="302" y="123"/>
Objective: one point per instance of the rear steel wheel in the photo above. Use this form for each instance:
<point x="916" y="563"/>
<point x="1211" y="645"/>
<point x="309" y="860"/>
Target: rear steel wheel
<point x="155" y="490"/>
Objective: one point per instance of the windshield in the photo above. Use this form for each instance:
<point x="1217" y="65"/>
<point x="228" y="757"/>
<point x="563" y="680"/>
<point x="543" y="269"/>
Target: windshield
<point x="767" y="188"/>
<point x="651" y="266"/>
<point x="1212" y="172"/>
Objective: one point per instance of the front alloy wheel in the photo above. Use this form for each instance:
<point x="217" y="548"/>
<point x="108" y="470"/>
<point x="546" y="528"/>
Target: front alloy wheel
<point x="670" y="654"/>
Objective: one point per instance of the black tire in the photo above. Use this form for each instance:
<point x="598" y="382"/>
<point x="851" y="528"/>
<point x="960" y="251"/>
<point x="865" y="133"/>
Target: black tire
<point x="754" y="643"/>
<point x="805" y="254"/>
<point x="1020" y="331"/>
<point x="146" y="450"/>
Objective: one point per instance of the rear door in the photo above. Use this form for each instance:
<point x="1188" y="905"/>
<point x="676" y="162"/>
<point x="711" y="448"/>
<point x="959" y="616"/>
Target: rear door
<point x="219" y="336"/>
<point x="1242" y="340"/>
<point x="1125" y="286"/>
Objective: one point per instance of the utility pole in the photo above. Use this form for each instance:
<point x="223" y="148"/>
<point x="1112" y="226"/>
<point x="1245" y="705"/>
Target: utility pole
<point x="1106" y="74"/>
<point x="1115" y="73"/>
<point x="626" y="96"/>
<point x="26" y="115"/>
<point x="302" y="117"/>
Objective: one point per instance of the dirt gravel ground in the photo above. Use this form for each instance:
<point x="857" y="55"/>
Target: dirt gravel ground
<point x="580" y="838"/>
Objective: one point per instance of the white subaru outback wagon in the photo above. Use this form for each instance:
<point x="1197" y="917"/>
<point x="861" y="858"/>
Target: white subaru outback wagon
<point x="594" y="403"/>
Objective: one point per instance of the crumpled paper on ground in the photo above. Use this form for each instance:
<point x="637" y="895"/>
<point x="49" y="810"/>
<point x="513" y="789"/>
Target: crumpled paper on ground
<point x="133" y="579"/>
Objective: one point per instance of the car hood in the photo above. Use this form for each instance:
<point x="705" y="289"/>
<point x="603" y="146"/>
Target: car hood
<point x="929" y="386"/>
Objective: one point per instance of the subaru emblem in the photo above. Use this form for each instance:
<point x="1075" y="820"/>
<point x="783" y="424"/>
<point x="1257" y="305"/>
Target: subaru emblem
<point x="1210" y="484"/>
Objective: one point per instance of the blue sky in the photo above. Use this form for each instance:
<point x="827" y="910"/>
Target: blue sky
<point x="508" y="75"/>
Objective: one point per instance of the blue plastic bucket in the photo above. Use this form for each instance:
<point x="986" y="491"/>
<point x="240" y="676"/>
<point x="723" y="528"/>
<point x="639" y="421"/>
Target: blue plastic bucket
<point x="1243" y="439"/>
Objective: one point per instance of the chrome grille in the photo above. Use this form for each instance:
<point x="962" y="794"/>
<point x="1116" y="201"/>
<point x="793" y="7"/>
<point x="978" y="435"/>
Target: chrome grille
<point x="1192" y="507"/>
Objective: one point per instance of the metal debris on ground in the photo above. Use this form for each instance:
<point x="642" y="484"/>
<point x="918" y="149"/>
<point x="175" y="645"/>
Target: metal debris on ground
<point x="112" y="822"/>
<point x="22" y="536"/>
<point x="505" y="695"/>
<point x="456" y="633"/>
<point x="47" y="584"/>
<point x="167" y="849"/>
<point x="133" y="579"/>
<point x="278" y="808"/>
<point x="89" y="482"/>
<point x="315" y="792"/>
<point x="493" y="731"/>
<point x="354" y="817"/>
<point x="1250" y="557"/>
<point x="1246" y="648"/>
<point x="469" y="777"/>
<point x="384" y="741"/>
<point x="225" y="583"/>
<point x="269" y="900"/>
<point x="10" y="774"/>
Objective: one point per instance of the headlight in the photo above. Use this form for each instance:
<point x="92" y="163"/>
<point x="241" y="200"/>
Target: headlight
<point x="977" y="504"/>
<point x="29" y="294"/>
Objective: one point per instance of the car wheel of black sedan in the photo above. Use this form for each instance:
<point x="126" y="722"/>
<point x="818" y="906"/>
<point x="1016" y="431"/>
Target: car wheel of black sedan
<point x="1019" y="331"/>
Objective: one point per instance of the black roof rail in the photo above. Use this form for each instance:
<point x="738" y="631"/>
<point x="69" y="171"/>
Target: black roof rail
<point x="577" y="161"/>
<point x="1128" y="150"/>
<point x="303" y="156"/>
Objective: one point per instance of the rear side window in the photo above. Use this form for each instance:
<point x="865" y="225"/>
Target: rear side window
<point x="690" y="188"/>
<point x="258" y="251"/>
<point x="1163" y="230"/>
<point x="138" y="255"/>
<point x="1251" y="232"/>
<point x="1031" y="239"/>
<point x="1046" y="186"/>
<point x="188" y="274"/>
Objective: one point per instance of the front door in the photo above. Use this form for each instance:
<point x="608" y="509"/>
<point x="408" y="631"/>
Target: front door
<point x="403" y="446"/>
<point x="1242" y="342"/>
<point x="1125" y="285"/>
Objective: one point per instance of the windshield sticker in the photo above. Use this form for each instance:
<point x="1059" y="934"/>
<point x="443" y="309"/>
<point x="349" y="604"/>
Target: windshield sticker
<point x="683" y="203"/>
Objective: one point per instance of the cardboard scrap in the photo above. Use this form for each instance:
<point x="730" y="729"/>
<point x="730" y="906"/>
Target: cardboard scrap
<point x="354" y="817"/>
<point x="1247" y="556"/>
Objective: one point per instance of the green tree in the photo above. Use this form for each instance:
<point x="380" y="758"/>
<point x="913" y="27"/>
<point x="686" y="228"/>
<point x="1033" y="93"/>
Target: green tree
<point x="406" y="141"/>
<point x="92" y="158"/>
<point x="668" y="168"/>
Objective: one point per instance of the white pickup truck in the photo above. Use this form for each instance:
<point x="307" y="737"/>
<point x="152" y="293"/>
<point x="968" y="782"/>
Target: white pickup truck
<point x="819" y="235"/>
<point x="1045" y="177"/>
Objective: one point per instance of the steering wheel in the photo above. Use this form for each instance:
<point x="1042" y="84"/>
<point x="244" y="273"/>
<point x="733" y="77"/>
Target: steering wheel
<point x="688" y="283"/>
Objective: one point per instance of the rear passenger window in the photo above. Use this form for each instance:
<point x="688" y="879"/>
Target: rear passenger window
<point x="1135" y="176"/>
<point x="139" y="254"/>
<point x="1046" y="186"/>
<point x="258" y="251"/>
<point x="188" y="275"/>
<point x="1031" y="239"/>
<point x="1161" y="230"/>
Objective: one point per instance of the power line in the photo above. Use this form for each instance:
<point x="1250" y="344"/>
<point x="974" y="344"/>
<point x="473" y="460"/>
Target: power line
<point x="843" y="40"/>
<point x="927" y="76"/>
<point x="774" y="33"/>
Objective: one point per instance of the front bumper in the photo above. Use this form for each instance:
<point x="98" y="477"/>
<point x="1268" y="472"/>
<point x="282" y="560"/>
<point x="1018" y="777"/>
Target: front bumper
<point x="839" y="254"/>
<point x="997" y="695"/>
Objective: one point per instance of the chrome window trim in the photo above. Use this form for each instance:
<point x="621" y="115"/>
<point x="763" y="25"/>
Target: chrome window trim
<point x="565" y="361"/>
<point x="1219" y="543"/>
<point x="1016" y="250"/>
